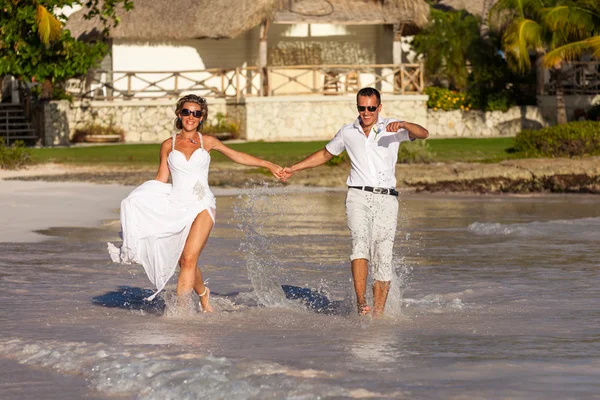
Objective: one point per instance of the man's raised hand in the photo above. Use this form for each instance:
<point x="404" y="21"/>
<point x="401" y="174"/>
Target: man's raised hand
<point x="394" y="126"/>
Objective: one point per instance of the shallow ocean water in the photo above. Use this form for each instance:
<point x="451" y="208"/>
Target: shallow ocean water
<point x="495" y="297"/>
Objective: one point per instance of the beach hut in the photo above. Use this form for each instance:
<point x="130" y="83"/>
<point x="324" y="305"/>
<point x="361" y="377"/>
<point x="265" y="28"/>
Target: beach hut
<point x="242" y="48"/>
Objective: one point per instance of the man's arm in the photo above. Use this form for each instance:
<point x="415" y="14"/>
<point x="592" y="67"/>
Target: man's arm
<point x="314" y="160"/>
<point x="414" y="131"/>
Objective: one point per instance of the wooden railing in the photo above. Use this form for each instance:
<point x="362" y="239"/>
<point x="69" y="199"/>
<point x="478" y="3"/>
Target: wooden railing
<point x="127" y="85"/>
<point x="249" y="81"/>
<point x="577" y="78"/>
<point x="345" y="79"/>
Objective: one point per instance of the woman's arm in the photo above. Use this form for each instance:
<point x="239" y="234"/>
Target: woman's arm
<point x="163" y="168"/>
<point x="239" y="157"/>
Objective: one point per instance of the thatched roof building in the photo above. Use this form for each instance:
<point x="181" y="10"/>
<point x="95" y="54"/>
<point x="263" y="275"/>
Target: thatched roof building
<point x="196" y="19"/>
<point x="412" y="13"/>
<point x="180" y="20"/>
<point x="475" y="7"/>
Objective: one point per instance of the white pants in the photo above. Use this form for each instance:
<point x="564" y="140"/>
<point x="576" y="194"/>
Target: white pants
<point x="372" y="220"/>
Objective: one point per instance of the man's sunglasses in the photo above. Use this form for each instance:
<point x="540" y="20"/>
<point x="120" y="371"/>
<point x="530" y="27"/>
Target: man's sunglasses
<point x="370" y="108"/>
<point x="196" y="113"/>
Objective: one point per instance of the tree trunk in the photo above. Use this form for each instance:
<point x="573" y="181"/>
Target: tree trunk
<point x="484" y="27"/>
<point x="540" y="73"/>
<point x="561" y="109"/>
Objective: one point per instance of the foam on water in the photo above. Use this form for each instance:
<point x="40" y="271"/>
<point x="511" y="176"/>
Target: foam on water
<point x="163" y="374"/>
<point x="581" y="229"/>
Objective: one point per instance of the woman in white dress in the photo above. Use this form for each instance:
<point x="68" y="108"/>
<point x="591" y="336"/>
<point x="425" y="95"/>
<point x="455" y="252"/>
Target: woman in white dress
<point x="165" y="225"/>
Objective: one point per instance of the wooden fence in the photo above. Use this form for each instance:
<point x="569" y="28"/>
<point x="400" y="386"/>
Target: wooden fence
<point x="577" y="78"/>
<point x="249" y="81"/>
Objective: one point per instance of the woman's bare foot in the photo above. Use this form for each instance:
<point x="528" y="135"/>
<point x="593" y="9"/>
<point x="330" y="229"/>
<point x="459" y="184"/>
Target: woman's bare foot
<point x="204" y="300"/>
<point x="363" y="309"/>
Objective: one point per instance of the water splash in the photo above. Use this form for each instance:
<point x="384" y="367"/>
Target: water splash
<point x="251" y="211"/>
<point x="402" y="269"/>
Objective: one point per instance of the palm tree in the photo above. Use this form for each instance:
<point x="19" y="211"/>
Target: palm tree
<point x="559" y="32"/>
<point x="446" y="42"/>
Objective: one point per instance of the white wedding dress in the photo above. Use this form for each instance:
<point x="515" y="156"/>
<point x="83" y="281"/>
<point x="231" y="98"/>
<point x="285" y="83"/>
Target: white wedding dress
<point x="156" y="217"/>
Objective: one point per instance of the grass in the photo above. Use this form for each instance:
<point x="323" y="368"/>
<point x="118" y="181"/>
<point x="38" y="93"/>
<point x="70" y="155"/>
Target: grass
<point x="473" y="150"/>
<point x="282" y="153"/>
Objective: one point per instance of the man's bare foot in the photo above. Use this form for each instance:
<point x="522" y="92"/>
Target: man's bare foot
<point x="363" y="309"/>
<point x="204" y="300"/>
<point x="377" y="312"/>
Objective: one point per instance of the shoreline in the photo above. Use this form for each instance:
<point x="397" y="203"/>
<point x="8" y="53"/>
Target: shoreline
<point x="522" y="176"/>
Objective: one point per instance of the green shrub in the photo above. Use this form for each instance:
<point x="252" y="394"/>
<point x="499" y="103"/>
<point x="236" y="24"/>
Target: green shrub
<point x="223" y="128"/>
<point x="499" y="101"/>
<point x="415" y="152"/>
<point x="445" y="99"/>
<point x="94" y="129"/>
<point x="14" y="156"/>
<point x="573" y="139"/>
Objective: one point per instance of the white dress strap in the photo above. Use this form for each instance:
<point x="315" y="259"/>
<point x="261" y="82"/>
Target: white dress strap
<point x="201" y="140"/>
<point x="173" y="141"/>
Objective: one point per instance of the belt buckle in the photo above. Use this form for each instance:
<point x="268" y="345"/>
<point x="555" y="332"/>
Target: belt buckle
<point x="377" y="190"/>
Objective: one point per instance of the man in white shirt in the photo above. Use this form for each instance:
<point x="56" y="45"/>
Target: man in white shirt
<point x="372" y="143"/>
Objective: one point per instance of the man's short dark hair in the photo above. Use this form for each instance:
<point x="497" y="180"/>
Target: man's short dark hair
<point x="367" y="92"/>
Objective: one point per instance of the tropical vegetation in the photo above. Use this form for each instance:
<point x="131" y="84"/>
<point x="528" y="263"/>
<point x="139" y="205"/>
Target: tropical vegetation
<point x="491" y="69"/>
<point x="569" y="140"/>
<point x="465" y="70"/>
<point x="35" y="48"/>
<point x="557" y="31"/>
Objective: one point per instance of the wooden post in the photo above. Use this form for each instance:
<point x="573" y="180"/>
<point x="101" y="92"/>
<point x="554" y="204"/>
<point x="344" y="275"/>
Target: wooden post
<point x="262" y="58"/>
<point x="237" y="85"/>
<point x="397" y="44"/>
<point x="397" y="54"/>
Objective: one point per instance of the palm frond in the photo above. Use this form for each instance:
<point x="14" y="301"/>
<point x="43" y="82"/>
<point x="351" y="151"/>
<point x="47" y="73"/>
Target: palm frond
<point x="503" y="13"/>
<point x="594" y="43"/>
<point x="523" y="8"/>
<point x="48" y="26"/>
<point x="572" y="51"/>
<point x="520" y="37"/>
<point x="575" y="23"/>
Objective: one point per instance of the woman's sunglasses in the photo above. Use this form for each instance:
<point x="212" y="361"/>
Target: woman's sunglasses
<point x="196" y="113"/>
<point x="370" y="108"/>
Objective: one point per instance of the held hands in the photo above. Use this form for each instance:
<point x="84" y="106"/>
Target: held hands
<point x="395" y="126"/>
<point x="285" y="174"/>
<point x="281" y="173"/>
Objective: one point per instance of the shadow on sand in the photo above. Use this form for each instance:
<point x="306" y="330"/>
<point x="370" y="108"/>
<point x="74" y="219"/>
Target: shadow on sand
<point x="132" y="298"/>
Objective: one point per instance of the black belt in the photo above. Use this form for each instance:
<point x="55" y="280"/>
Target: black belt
<point x="376" y="190"/>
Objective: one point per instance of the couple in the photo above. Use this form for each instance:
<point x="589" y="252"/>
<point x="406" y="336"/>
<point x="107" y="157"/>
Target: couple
<point x="167" y="225"/>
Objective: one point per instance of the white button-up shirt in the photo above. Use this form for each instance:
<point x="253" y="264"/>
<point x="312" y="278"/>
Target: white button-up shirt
<point x="373" y="158"/>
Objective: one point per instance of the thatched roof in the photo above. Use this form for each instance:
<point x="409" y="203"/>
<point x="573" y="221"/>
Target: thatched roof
<point x="354" y="12"/>
<point x="474" y="7"/>
<point x="195" y="19"/>
<point x="180" y="20"/>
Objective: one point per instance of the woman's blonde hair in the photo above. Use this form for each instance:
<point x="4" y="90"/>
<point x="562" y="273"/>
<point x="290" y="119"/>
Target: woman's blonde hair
<point x="191" y="98"/>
